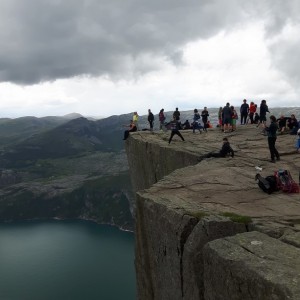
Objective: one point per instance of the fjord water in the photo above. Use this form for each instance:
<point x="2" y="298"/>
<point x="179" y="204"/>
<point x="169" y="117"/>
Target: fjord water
<point x="64" y="260"/>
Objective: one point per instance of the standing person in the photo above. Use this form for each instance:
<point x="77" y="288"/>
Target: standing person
<point x="272" y="136"/>
<point x="234" y="117"/>
<point x="174" y="129"/>
<point x="252" y="111"/>
<point x="244" y="110"/>
<point x="220" y="118"/>
<point x="263" y="109"/>
<point x="205" y="115"/>
<point x="196" y="120"/>
<point x="135" y="119"/>
<point x="132" y="128"/>
<point x="226" y="117"/>
<point x="162" y="119"/>
<point x="150" y="119"/>
<point x="176" y="114"/>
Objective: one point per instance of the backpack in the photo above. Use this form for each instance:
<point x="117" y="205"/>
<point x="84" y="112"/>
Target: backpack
<point x="285" y="182"/>
<point x="267" y="184"/>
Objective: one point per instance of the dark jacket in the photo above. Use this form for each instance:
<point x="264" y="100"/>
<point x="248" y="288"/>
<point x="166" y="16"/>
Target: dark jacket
<point x="272" y="129"/>
<point x="204" y="115"/>
<point x="226" y="149"/>
<point x="173" y="125"/>
<point x="150" y="117"/>
<point x="244" y="108"/>
<point x="176" y="114"/>
<point x="263" y="109"/>
<point x="227" y="112"/>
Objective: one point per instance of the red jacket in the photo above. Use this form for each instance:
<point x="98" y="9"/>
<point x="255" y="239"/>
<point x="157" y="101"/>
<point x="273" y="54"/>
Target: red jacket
<point x="252" y="108"/>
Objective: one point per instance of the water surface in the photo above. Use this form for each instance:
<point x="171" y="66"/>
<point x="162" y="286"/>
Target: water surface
<point x="61" y="260"/>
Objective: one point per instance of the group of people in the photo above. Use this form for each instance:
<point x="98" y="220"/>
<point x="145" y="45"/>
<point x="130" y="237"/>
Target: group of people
<point x="228" y="115"/>
<point x="227" y="122"/>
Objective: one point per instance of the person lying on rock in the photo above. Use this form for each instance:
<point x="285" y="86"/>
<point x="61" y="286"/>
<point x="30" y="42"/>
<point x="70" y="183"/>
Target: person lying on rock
<point x="225" y="151"/>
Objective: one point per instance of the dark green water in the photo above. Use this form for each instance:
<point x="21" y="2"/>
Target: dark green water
<point x="66" y="260"/>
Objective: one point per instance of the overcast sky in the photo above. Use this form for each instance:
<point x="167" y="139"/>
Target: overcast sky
<point x="100" y="57"/>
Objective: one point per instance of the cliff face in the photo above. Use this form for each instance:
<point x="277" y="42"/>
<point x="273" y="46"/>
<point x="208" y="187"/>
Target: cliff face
<point x="204" y="230"/>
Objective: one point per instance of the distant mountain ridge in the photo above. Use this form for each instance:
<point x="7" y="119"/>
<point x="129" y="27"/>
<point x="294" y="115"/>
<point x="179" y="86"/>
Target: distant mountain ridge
<point x="72" y="166"/>
<point x="55" y="167"/>
<point x="14" y="130"/>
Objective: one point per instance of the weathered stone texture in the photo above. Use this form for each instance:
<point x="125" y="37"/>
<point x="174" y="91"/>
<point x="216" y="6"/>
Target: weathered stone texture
<point x="251" y="266"/>
<point x="183" y="204"/>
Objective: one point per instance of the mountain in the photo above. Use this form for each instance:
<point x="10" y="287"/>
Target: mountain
<point x="14" y="130"/>
<point x="76" y="169"/>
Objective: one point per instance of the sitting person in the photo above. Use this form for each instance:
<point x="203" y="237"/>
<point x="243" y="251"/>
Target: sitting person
<point x="225" y="151"/>
<point x="292" y="124"/>
<point x="132" y="128"/>
<point x="186" y="125"/>
<point x="209" y="125"/>
<point x="282" y="121"/>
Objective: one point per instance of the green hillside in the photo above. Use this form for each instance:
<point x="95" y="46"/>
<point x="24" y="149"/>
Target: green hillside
<point x="64" y="169"/>
<point x="19" y="129"/>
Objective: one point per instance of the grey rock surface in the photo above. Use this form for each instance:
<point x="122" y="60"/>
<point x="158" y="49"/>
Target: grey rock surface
<point x="182" y="203"/>
<point x="251" y="266"/>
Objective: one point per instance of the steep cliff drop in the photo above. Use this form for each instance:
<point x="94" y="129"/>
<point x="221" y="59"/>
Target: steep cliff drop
<point x="205" y="230"/>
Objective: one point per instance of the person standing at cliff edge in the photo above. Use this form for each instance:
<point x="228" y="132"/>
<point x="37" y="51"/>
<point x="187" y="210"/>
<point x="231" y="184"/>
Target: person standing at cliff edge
<point x="174" y="129"/>
<point x="176" y="114"/>
<point x="162" y="119"/>
<point x="135" y="119"/>
<point x="150" y="119"/>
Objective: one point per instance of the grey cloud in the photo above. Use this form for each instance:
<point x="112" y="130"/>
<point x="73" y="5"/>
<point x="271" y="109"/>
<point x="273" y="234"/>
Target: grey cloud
<point x="50" y="39"/>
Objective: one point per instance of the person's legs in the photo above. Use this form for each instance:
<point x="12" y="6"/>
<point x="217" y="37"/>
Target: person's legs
<point x="242" y="118"/>
<point x="126" y="134"/>
<point x="251" y="117"/>
<point x="209" y="155"/>
<point x="276" y="151"/>
<point x="151" y="125"/>
<point x="171" y="136"/>
<point x="179" y="134"/>
<point x="226" y="126"/>
<point x="271" y="143"/>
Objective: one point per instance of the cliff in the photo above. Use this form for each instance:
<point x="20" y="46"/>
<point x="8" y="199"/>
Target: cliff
<point x="204" y="230"/>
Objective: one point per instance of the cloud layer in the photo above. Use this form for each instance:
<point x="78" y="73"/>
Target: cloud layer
<point x="44" y="40"/>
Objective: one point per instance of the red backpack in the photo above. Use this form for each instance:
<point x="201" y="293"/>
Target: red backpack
<point x="285" y="182"/>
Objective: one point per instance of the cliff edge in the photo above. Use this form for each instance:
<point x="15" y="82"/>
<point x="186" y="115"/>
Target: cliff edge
<point x="204" y="230"/>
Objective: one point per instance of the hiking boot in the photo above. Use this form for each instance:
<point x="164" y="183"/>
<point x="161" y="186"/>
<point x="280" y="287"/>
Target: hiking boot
<point x="272" y="160"/>
<point x="278" y="158"/>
